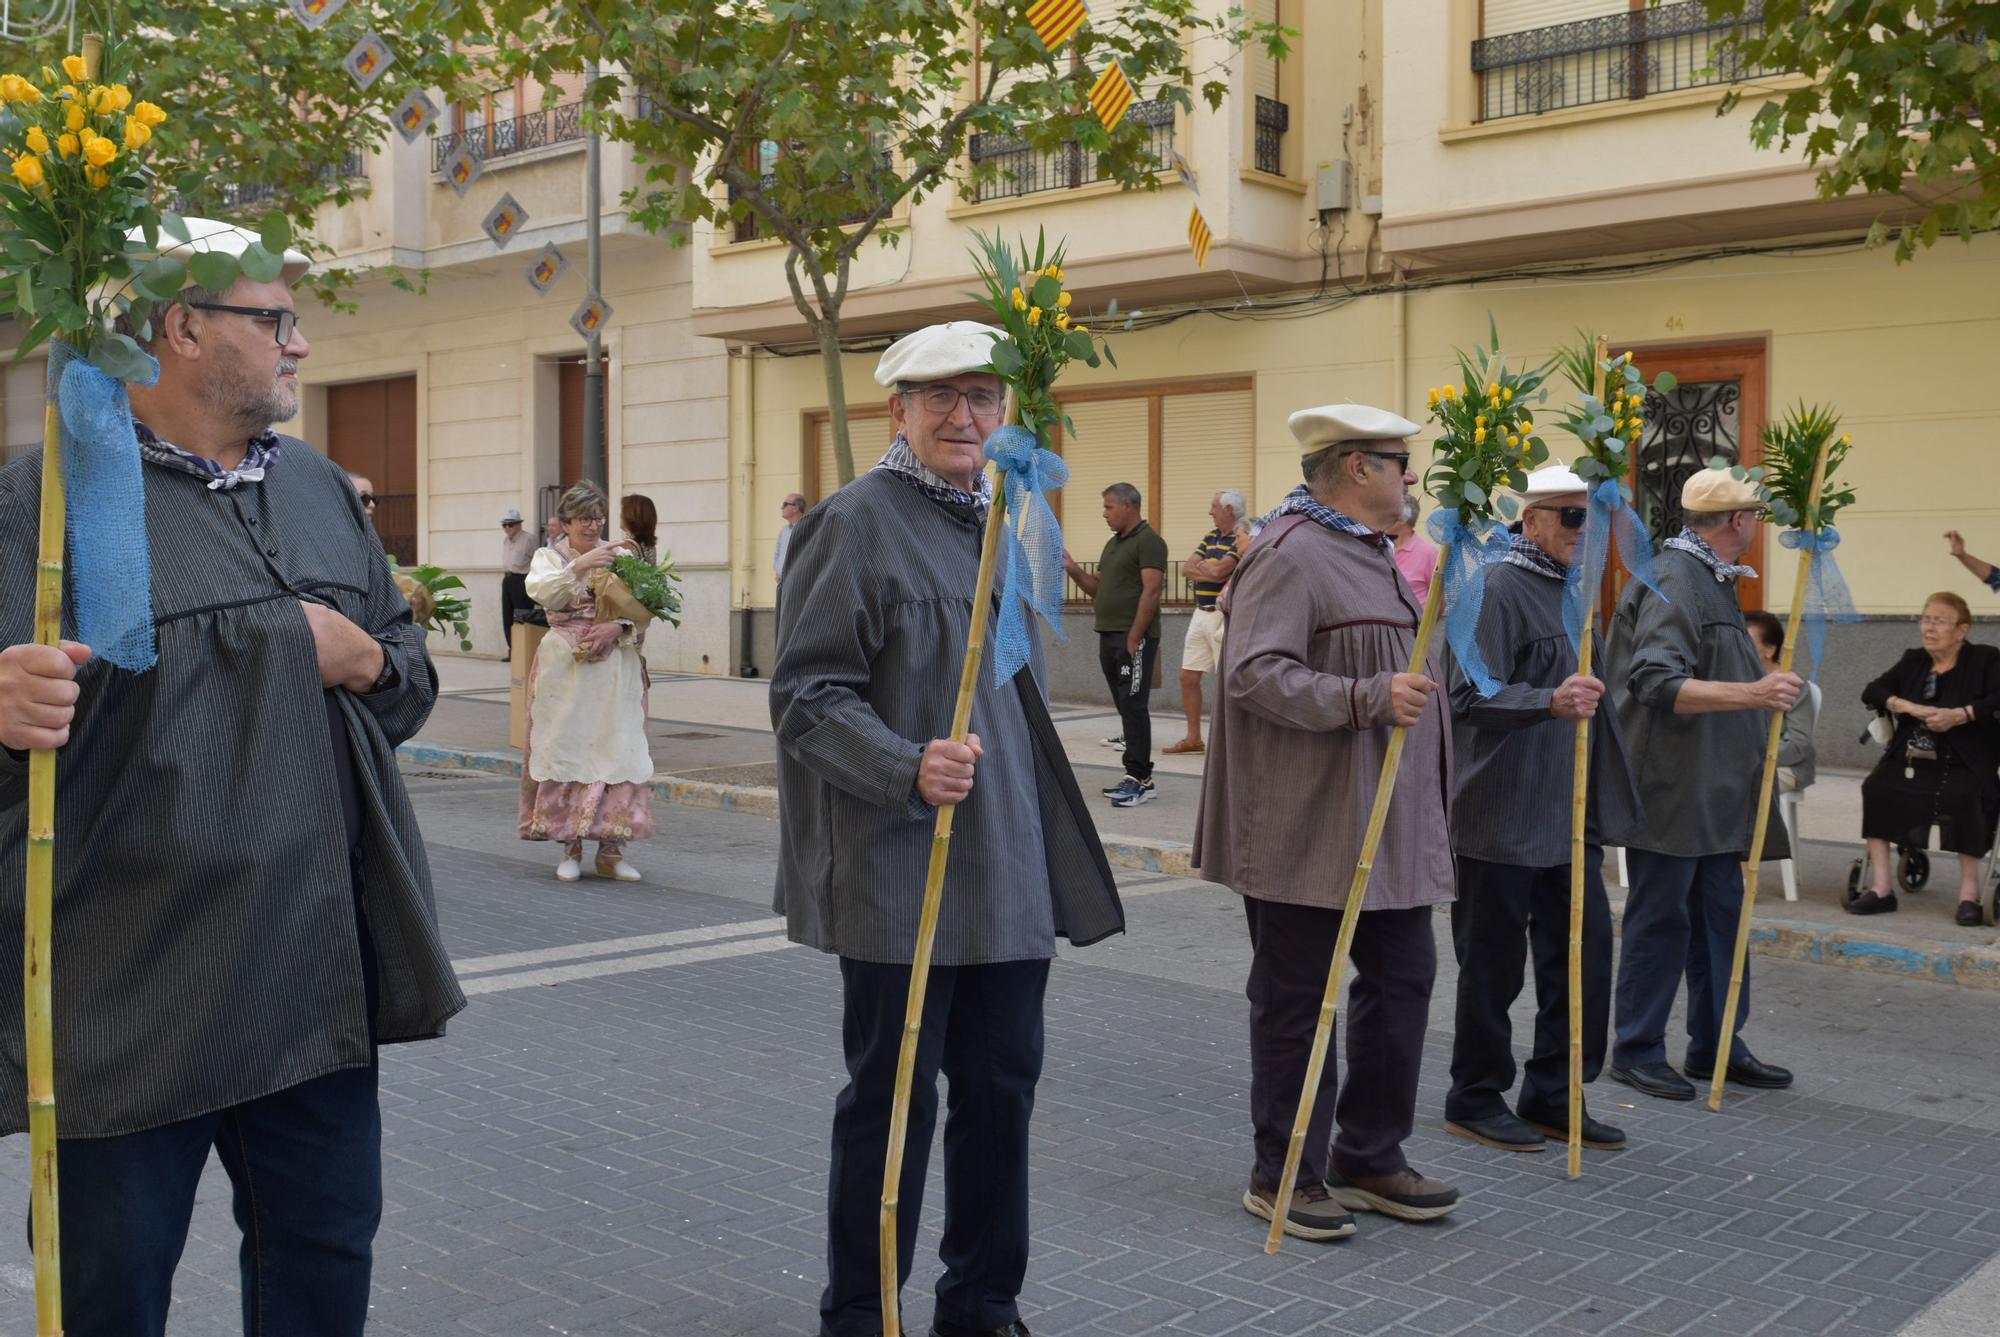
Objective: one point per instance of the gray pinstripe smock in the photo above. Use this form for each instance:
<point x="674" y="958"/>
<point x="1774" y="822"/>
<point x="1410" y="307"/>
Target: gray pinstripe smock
<point x="873" y="618"/>
<point x="205" y="950"/>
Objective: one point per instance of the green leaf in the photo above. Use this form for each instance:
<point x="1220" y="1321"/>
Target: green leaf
<point x="1007" y="358"/>
<point x="1474" y="494"/>
<point x="1045" y="293"/>
<point x="1666" y="382"/>
<point x="24" y="294"/>
<point x="260" y="265"/>
<point x="118" y="356"/>
<point x="275" y="232"/>
<point x="214" y="270"/>
<point x="164" y="278"/>
<point x="175" y="226"/>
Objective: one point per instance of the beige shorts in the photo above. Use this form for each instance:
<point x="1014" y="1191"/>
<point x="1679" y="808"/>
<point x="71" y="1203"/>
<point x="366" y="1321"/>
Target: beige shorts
<point x="1204" y="641"/>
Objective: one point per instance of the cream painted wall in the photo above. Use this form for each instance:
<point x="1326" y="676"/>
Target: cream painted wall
<point x="1899" y="351"/>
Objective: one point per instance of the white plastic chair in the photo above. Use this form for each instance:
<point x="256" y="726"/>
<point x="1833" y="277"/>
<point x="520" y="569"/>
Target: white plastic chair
<point x="1788" y="813"/>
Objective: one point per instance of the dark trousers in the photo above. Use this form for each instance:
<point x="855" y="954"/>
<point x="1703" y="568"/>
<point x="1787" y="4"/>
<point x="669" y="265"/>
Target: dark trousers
<point x="513" y="596"/>
<point x="1134" y="712"/>
<point x="305" y="1165"/>
<point x="983" y="1029"/>
<point x="1504" y="915"/>
<point x="1394" y="960"/>
<point x="1680" y="916"/>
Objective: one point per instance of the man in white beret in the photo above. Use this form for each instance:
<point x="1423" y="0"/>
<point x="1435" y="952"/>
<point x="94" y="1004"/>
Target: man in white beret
<point x="871" y="634"/>
<point x="1312" y="679"/>
<point x="1513" y="844"/>
<point x="1694" y="703"/>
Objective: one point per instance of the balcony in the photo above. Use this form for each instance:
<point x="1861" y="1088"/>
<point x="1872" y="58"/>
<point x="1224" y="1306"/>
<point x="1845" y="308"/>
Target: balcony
<point x="502" y="139"/>
<point x="1022" y="169"/>
<point x="1273" y="119"/>
<point x="238" y="197"/>
<point x="1616" y="58"/>
<point x="746" y="229"/>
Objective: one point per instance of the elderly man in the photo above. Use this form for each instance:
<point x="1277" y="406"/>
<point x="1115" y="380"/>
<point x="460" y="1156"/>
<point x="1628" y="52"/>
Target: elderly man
<point x="517" y="554"/>
<point x="242" y="895"/>
<point x="1125" y="592"/>
<point x="790" y="510"/>
<point x="1313" y="677"/>
<point x="1514" y="852"/>
<point x="871" y="632"/>
<point x="1209" y="569"/>
<point x="1693" y="701"/>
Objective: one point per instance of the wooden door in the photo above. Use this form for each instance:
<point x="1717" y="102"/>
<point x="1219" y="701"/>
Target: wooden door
<point x="371" y="429"/>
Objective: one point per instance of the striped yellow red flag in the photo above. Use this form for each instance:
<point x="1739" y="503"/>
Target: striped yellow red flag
<point x="1111" y="95"/>
<point x="1056" y="21"/>
<point x="1199" y="237"/>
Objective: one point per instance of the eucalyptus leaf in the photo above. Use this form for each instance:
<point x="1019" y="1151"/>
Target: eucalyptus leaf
<point x="275" y="232"/>
<point x="1666" y="382"/>
<point x="260" y="265"/>
<point x="119" y="356"/>
<point x="164" y="278"/>
<point x="214" y="271"/>
<point x="175" y="226"/>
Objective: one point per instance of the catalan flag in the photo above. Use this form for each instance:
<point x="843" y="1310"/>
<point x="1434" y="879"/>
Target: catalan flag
<point x="1111" y="95"/>
<point x="1199" y="237"/>
<point x="1056" y="21"/>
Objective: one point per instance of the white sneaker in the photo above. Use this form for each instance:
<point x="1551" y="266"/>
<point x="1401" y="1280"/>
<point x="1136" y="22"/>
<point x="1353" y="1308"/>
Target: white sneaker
<point x="617" y="868"/>
<point x="569" y="870"/>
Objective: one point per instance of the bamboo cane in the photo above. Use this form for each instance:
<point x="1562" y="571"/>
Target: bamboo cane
<point x="1329" y="1005"/>
<point x="1578" y="819"/>
<point x="1763" y="825"/>
<point x="920" y="964"/>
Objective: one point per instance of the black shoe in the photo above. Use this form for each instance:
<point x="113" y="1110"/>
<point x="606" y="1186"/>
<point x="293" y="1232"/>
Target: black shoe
<point x="1744" y="1070"/>
<point x="1597" y="1135"/>
<point x="1873" y="903"/>
<point x="941" y="1328"/>
<point x="1654" y="1079"/>
<point x="1502" y="1132"/>
<point x="1970" y="915"/>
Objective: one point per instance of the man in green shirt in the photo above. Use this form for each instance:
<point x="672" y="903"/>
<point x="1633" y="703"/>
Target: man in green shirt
<point x="1125" y="590"/>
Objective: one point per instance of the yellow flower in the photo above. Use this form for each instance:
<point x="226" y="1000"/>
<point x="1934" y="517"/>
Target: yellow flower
<point x="69" y="91"/>
<point x="1846" y="440"/>
<point x="37" y="140"/>
<point x="121" y="97"/>
<point x="99" y="99"/>
<point x="1450" y="392"/>
<point x="28" y="170"/>
<point x="48" y="75"/>
<point x="1062" y="320"/>
<point x="1479" y="420"/>
<point x="30" y="93"/>
<point x="149" y="115"/>
<point x="1493" y="387"/>
<point x="68" y="146"/>
<point x="1062" y="302"/>
<point x="1433" y="397"/>
<point x="74" y="118"/>
<point x="1626" y="358"/>
<point x="10" y="87"/>
<point x="100" y="151"/>
<point x="1513" y="440"/>
<point x="1020" y="300"/>
<point x="73" y="66"/>
<point x="136" y="134"/>
<point x="1635" y="433"/>
<point x="99" y="178"/>
<point x="1479" y="437"/>
<point x="1034" y="315"/>
<point x="1083" y="329"/>
<point x="1527" y="424"/>
<point x="1507" y="395"/>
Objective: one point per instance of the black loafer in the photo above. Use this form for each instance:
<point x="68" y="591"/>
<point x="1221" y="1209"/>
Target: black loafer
<point x="1873" y="903"/>
<point x="1503" y="1132"/>
<point x="1597" y="1135"/>
<point x="1744" y="1070"/>
<point x="1655" y="1079"/>
<point x="941" y="1328"/>
<point x="1970" y="915"/>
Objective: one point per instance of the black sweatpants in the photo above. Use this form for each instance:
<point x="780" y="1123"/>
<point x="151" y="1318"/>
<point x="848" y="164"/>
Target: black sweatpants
<point x="1134" y="710"/>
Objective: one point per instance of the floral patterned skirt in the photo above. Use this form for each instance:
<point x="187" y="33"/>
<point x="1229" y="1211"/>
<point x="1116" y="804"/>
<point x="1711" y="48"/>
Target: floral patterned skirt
<point x="571" y="811"/>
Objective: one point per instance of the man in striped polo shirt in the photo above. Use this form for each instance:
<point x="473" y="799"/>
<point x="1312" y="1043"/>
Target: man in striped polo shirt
<point x="1213" y="563"/>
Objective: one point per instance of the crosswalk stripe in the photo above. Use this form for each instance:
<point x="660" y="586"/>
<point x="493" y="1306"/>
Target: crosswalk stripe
<point x="479" y="965"/>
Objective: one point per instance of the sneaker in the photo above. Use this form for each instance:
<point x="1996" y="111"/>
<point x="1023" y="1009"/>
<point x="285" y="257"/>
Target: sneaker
<point x="1406" y="1195"/>
<point x="1116" y="788"/>
<point x="1313" y="1214"/>
<point x="569" y="870"/>
<point x="1115" y="744"/>
<point x="1134" y="792"/>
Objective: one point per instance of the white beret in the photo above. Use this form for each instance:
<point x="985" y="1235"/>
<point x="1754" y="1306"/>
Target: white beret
<point x="1319" y="428"/>
<point x="1553" y="480"/>
<point x="206" y="234"/>
<point x="937" y="351"/>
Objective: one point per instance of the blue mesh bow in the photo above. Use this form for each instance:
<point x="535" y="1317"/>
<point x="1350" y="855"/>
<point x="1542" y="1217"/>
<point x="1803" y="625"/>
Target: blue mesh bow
<point x="1611" y="515"/>
<point x="1469" y="550"/>
<point x="110" y="572"/>
<point x="1827" y="596"/>
<point x="1034" y="544"/>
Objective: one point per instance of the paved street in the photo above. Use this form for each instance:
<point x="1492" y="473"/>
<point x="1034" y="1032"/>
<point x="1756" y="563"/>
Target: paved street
<point x="625" y="1134"/>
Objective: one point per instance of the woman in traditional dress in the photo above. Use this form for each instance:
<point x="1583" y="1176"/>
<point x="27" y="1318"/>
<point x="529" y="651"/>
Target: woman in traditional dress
<point x="588" y="766"/>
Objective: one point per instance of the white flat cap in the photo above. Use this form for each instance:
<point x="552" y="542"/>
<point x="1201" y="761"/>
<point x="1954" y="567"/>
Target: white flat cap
<point x="1719" y="490"/>
<point x="937" y="351"/>
<point x="1553" y="480"/>
<point x="206" y="234"/>
<point x="1319" y="428"/>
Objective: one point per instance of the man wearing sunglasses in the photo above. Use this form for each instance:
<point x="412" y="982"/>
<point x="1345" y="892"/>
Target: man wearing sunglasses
<point x="1694" y="702"/>
<point x="1311" y="682"/>
<point x="872" y="626"/>
<point x="1513" y="861"/>
<point x="250" y="914"/>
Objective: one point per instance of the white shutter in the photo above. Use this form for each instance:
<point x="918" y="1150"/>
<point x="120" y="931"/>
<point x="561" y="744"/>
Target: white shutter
<point x="1206" y="445"/>
<point x="1110" y="445"/>
<point x="1263" y="69"/>
<point x="868" y="436"/>
<point x="1505" y="16"/>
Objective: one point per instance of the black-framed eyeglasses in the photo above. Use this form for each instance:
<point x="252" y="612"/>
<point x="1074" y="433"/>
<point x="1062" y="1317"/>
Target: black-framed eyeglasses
<point x="286" y="318"/>
<point x="1400" y="458"/>
<point x="367" y="499"/>
<point x="1572" y="517"/>
<point x="943" y="400"/>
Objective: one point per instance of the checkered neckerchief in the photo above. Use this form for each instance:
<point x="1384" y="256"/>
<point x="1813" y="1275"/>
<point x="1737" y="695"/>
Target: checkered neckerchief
<point x="1689" y="541"/>
<point x="904" y="464"/>
<point x="260" y="453"/>
<point x="1525" y="552"/>
<point x="1299" y="501"/>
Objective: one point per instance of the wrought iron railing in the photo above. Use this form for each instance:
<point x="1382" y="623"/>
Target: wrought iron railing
<point x="1023" y="169"/>
<point x="1178" y="592"/>
<point x="234" y="197"/>
<point x="396" y="525"/>
<point x="1273" y="119"/>
<point x="746" y="228"/>
<point x="499" y="139"/>
<point x="1616" y="58"/>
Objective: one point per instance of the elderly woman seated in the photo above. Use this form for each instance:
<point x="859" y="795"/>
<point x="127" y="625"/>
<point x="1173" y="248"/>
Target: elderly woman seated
<point x="1942" y="768"/>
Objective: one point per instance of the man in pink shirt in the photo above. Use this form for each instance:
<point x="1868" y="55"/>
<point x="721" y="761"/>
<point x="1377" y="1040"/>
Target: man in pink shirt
<point x="1416" y="556"/>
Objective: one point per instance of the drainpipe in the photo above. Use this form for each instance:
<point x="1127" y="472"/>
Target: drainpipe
<point x="743" y="402"/>
<point x="1399" y="341"/>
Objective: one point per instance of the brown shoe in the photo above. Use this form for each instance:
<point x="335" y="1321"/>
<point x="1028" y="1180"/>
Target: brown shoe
<point x="1185" y="746"/>
<point x="1313" y="1214"/>
<point x="1405" y="1195"/>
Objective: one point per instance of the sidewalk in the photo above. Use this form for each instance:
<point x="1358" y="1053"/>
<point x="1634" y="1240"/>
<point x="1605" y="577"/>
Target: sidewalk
<point x="711" y="739"/>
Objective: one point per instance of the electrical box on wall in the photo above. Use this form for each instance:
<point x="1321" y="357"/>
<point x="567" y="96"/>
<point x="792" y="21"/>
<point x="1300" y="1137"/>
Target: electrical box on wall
<point x="1331" y="185"/>
<point x="1371" y="205"/>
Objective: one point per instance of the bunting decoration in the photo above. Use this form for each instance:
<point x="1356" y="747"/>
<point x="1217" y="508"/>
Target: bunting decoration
<point x="546" y="268"/>
<point x="462" y="168"/>
<point x="505" y="220"/>
<point x="315" y="13"/>
<point x="415" y="116"/>
<point x="369" y="59"/>
<point x="1111" y="96"/>
<point x="1183" y="170"/>
<point x="1199" y="237"/>
<point x="1056" y="21"/>
<point x="590" y="319"/>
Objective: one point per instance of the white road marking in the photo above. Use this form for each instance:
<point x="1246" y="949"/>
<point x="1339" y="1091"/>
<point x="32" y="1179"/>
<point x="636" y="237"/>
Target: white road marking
<point x="622" y="965"/>
<point x="479" y="965"/>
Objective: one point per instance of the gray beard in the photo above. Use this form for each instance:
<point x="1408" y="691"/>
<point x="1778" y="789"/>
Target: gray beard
<point x="254" y="408"/>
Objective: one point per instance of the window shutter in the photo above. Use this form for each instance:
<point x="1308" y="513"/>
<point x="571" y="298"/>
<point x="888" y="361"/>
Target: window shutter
<point x="1263" y="69"/>
<point x="1505" y="16"/>
<point x="869" y="435"/>
<point x="1110" y="445"/>
<point x="1206" y="445"/>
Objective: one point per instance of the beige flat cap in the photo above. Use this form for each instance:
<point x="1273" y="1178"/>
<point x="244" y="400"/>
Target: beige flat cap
<point x="1316" y="429"/>
<point x="1714" y="490"/>
<point x="937" y="351"/>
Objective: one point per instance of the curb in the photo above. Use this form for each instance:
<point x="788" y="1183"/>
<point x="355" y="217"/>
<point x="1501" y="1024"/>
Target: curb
<point x="1783" y="939"/>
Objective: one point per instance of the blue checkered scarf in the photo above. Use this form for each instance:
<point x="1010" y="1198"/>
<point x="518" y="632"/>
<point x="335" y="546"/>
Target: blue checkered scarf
<point x="904" y="464"/>
<point x="1299" y="501"/>
<point x="1689" y="541"/>
<point x="260" y="454"/>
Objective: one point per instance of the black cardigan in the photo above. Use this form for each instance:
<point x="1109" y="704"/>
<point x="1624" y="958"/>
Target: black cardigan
<point x="1974" y="681"/>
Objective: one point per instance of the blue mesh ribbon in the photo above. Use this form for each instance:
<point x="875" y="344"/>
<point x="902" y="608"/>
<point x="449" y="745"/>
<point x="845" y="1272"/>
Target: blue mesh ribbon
<point x="1610" y="516"/>
<point x="1827" y="596"/>
<point x="1469" y="550"/>
<point x="110" y="571"/>
<point x="1034" y="544"/>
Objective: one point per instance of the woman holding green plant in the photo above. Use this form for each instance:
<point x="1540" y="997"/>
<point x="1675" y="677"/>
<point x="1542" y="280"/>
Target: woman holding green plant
<point x="587" y="767"/>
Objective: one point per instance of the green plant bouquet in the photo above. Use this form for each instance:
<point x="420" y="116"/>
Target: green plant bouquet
<point x="642" y="588"/>
<point x="432" y="605"/>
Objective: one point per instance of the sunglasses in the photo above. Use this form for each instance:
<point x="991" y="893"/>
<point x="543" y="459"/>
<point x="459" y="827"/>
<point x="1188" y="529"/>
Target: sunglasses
<point x="1399" y="458"/>
<point x="1572" y="517"/>
<point x="368" y="500"/>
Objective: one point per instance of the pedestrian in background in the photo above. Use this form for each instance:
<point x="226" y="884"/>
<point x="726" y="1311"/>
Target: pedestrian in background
<point x="793" y="506"/>
<point x="640" y="522"/>
<point x="1125" y="590"/>
<point x="1416" y="556"/>
<point x="365" y="490"/>
<point x="1208" y="570"/>
<point x="517" y="551"/>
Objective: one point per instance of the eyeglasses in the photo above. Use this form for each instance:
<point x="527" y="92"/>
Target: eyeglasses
<point x="943" y="400"/>
<point x="368" y="500"/>
<point x="1399" y="458"/>
<point x="1572" y="517"/>
<point x="1937" y="622"/>
<point x="286" y="318"/>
